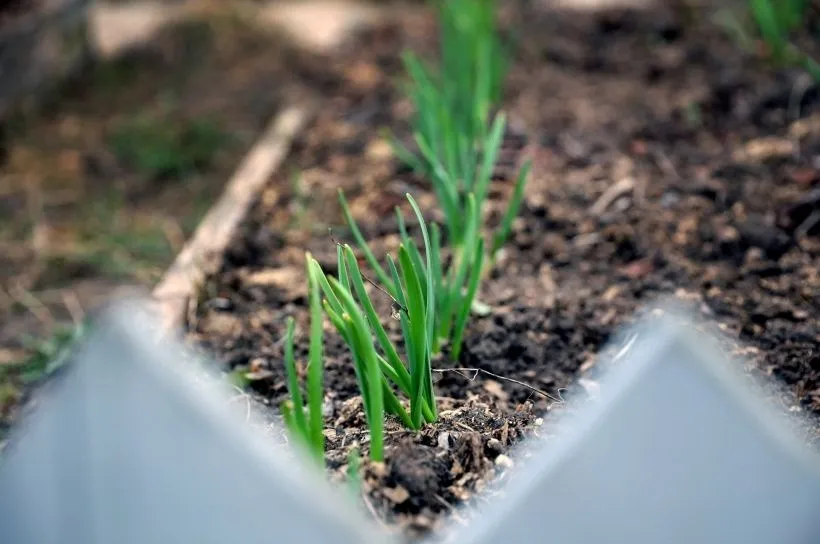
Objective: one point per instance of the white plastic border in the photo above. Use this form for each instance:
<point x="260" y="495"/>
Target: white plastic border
<point x="135" y="446"/>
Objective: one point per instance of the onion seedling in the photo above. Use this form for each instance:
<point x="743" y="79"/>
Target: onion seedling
<point x="458" y="145"/>
<point x="774" y="21"/>
<point x="458" y="148"/>
<point x="454" y="284"/>
<point x="305" y="422"/>
<point x="377" y="363"/>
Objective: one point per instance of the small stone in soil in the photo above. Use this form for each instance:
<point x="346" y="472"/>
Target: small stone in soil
<point x="503" y="461"/>
<point x="219" y="303"/>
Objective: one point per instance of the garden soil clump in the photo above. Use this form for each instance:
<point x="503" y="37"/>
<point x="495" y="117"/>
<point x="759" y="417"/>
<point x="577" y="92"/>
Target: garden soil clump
<point x="666" y="162"/>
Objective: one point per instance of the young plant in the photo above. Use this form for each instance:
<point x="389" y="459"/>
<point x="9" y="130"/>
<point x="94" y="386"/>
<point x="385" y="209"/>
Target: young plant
<point x="354" y="476"/>
<point x="377" y="364"/>
<point x="455" y="283"/>
<point x="457" y="143"/>
<point x="775" y="20"/>
<point x="305" y="422"/>
<point x="458" y="149"/>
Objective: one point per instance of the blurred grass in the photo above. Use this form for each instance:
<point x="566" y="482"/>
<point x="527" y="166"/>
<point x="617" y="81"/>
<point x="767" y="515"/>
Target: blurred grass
<point x="161" y="150"/>
<point x="46" y="356"/>
<point x="776" y="30"/>
<point x="101" y="187"/>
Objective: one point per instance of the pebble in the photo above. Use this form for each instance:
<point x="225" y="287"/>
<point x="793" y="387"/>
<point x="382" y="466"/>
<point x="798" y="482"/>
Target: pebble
<point x="397" y="494"/>
<point x="219" y="303"/>
<point x="669" y="199"/>
<point x="444" y="440"/>
<point x="503" y="461"/>
<point x="494" y="445"/>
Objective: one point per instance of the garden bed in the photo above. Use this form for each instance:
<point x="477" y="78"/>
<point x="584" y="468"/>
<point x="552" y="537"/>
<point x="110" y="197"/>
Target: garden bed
<point x="666" y="161"/>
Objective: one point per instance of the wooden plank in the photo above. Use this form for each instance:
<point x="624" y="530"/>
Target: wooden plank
<point x="204" y="251"/>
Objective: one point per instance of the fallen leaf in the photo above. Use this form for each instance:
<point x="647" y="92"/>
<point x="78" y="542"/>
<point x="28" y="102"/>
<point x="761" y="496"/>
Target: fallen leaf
<point x="494" y="388"/>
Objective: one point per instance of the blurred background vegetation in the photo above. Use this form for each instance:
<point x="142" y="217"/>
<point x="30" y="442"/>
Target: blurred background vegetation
<point x="102" y="182"/>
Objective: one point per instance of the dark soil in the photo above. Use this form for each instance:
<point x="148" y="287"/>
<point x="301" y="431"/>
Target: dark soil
<point x="666" y="161"/>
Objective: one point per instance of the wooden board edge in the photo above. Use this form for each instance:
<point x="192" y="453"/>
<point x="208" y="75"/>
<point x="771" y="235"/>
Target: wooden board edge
<point x="203" y="252"/>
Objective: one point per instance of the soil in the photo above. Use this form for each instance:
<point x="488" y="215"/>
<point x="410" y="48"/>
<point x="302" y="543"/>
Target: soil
<point x="667" y="161"/>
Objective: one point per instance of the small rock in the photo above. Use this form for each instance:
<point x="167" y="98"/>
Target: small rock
<point x="767" y="148"/>
<point x="549" y="289"/>
<point x="592" y="388"/>
<point x="503" y="461"/>
<point x="378" y="150"/>
<point x="364" y="75"/>
<point x="378" y="469"/>
<point x="219" y="303"/>
<point x="669" y="199"/>
<point x="327" y="408"/>
<point x="480" y="309"/>
<point x="728" y="234"/>
<point x="258" y="375"/>
<point x="397" y="495"/>
<point x="257" y="364"/>
<point x="495" y="446"/>
<point x="800" y="315"/>
<point x="444" y="440"/>
<point x="71" y="163"/>
<point x="804" y="176"/>
<point x="637" y="269"/>
<point x="753" y="255"/>
<point x="611" y="293"/>
<point x="221" y="324"/>
<point x="773" y="241"/>
<point x="291" y="280"/>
